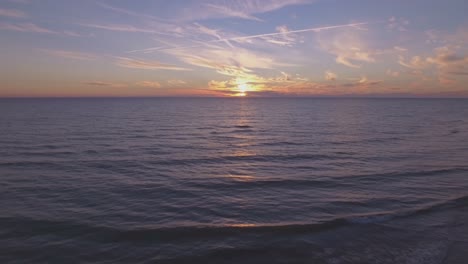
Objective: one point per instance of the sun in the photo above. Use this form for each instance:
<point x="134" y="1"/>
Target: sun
<point x="242" y="88"/>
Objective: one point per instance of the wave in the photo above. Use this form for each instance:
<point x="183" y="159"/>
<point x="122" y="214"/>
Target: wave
<point x="241" y="182"/>
<point x="19" y="227"/>
<point x="245" y="158"/>
<point x="243" y="126"/>
<point x="25" y="227"/>
<point x="379" y="176"/>
<point x="455" y="202"/>
<point x="285" y="143"/>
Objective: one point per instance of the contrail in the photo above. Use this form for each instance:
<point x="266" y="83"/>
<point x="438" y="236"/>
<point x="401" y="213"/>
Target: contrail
<point x="316" y="29"/>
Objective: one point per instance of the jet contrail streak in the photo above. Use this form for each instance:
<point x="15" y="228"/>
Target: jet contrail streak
<point x="316" y="29"/>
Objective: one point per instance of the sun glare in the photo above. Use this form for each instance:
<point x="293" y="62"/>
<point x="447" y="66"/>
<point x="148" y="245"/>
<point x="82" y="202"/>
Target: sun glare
<point x="242" y="88"/>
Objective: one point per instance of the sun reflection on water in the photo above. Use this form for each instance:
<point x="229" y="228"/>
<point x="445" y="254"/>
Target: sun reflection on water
<point x="242" y="225"/>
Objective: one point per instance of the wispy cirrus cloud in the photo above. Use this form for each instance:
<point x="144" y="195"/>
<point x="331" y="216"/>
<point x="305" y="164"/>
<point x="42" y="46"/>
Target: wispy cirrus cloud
<point x="243" y="39"/>
<point x="13" y="13"/>
<point x="126" y="11"/>
<point x="224" y="11"/>
<point x="242" y="9"/>
<point x="147" y="65"/>
<point x="195" y="10"/>
<point x="26" y="27"/>
<point x="119" y="27"/>
<point x="72" y="55"/>
<point x="284" y="39"/>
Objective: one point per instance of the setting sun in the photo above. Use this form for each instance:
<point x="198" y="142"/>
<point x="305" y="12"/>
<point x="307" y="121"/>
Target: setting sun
<point x="243" y="88"/>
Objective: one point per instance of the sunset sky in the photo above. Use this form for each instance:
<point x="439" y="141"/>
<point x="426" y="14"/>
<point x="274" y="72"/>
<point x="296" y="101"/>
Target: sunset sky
<point x="233" y="48"/>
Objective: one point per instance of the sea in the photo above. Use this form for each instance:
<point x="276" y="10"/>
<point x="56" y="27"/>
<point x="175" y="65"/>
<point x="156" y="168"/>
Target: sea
<point x="233" y="180"/>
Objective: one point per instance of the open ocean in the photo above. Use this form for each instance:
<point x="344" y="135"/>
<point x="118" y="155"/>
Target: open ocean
<point x="234" y="180"/>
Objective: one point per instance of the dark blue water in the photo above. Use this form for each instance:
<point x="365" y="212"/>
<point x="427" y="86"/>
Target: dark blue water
<point x="233" y="180"/>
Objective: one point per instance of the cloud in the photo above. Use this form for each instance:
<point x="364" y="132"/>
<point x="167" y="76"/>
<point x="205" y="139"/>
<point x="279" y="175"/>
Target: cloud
<point x="196" y="10"/>
<point x="33" y="28"/>
<point x="243" y="39"/>
<point x="416" y="62"/>
<point x="105" y="84"/>
<point x="401" y="49"/>
<point x="13" y="13"/>
<point x="149" y="84"/>
<point x="72" y="54"/>
<point x="242" y="9"/>
<point x="225" y="11"/>
<point x="25" y="27"/>
<point x="231" y="62"/>
<point x="222" y="85"/>
<point x="449" y="62"/>
<point x="126" y="11"/>
<point x="433" y="36"/>
<point x="71" y="33"/>
<point x="252" y="83"/>
<point x="445" y="56"/>
<point x="330" y="76"/>
<point x="283" y="33"/>
<point x="362" y="83"/>
<point x="250" y="93"/>
<point x="294" y="86"/>
<point x="120" y="28"/>
<point x="392" y="73"/>
<point x="146" y="65"/>
<point x="285" y="38"/>
<point x="446" y="60"/>
<point x="399" y="24"/>
<point x="201" y="29"/>
<point x="98" y="83"/>
<point x="176" y="82"/>
<point x="349" y="47"/>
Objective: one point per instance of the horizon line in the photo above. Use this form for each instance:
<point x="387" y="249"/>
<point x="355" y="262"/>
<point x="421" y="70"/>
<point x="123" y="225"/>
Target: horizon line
<point x="240" y="97"/>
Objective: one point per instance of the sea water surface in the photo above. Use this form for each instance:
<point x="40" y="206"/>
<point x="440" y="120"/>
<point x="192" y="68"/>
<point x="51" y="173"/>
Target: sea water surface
<point x="211" y="180"/>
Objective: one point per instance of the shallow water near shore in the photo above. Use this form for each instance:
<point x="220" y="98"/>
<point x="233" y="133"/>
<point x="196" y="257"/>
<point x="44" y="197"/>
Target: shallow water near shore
<point x="252" y="180"/>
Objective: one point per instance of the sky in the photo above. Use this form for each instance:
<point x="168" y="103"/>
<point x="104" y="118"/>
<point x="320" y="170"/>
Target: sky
<point x="68" y="48"/>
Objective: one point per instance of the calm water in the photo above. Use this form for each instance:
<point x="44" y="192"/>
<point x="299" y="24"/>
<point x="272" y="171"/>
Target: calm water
<point x="233" y="180"/>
